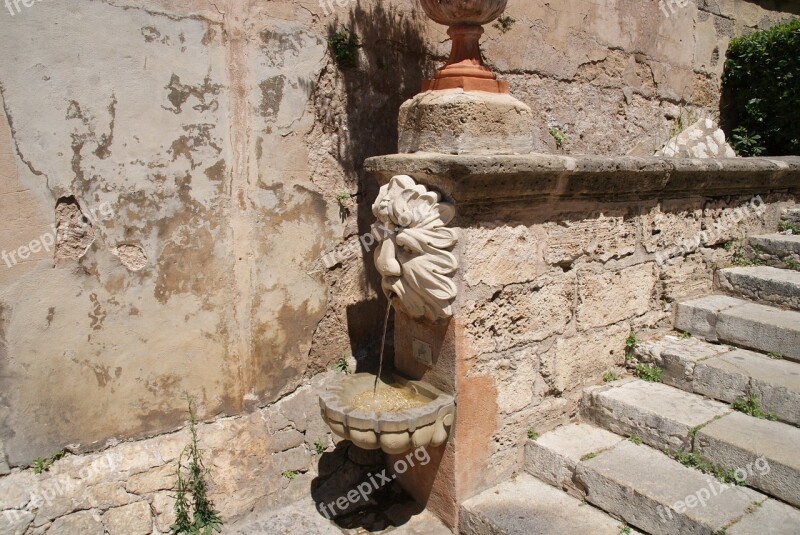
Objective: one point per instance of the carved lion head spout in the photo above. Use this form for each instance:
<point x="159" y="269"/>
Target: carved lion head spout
<point x="413" y="254"/>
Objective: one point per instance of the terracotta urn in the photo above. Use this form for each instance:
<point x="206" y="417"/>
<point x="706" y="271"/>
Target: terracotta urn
<point x="465" y="68"/>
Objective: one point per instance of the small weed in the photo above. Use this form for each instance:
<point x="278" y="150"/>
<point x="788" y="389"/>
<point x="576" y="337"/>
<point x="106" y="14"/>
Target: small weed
<point x="342" y="197"/>
<point x="589" y="456"/>
<point x="43" y="464"/>
<point x="559" y="136"/>
<point x="786" y="226"/>
<point x="648" y="372"/>
<point x="631" y="343"/>
<point x="684" y="335"/>
<point x="752" y="407"/>
<point x="505" y="23"/>
<point x="741" y="259"/>
<point x="532" y="434"/>
<point x="319" y="447"/>
<point x="728" y="246"/>
<point x="791" y="263"/>
<point x="636" y="439"/>
<point x="289" y="474"/>
<point x="722" y="531"/>
<point x="204" y="517"/>
<point x="775" y="356"/>
<point x="609" y="376"/>
<point x="341" y="366"/>
<point x="624" y="530"/>
<point x="693" y="460"/>
<point x="344" y="46"/>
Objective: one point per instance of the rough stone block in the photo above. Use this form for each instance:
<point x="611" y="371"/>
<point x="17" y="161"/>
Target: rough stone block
<point x="699" y="316"/>
<point x="15" y="522"/>
<point x="761" y="327"/>
<point x="738" y="441"/>
<point x="582" y="359"/>
<point x="649" y="490"/>
<point x="780" y="245"/>
<point x="133" y="519"/>
<point x="763" y="283"/>
<point x="554" y="456"/>
<point x="608" y="297"/>
<point x="526" y="505"/>
<point x="300" y="517"/>
<point x="83" y="522"/>
<point x="661" y="415"/>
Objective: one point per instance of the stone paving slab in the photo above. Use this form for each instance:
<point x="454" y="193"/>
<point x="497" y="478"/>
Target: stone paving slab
<point x="660" y="415"/>
<point x="763" y="283"/>
<point x="736" y="374"/>
<point x="554" y="456"/>
<point x="527" y="506"/>
<point x="772" y="517"/>
<point x="300" y="517"/>
<point x="651" y="491"/>
<point x="738" y="441"/>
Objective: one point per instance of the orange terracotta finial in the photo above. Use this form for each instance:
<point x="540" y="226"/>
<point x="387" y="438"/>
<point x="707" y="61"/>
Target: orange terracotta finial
<point x="465" y="68"/>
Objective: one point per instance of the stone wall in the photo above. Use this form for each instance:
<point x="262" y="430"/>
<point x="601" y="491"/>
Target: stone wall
<point x="170" y="173"/>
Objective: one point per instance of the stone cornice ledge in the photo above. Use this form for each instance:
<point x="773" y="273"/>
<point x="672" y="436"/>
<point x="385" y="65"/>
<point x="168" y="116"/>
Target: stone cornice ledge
<point x="468" y="179"/>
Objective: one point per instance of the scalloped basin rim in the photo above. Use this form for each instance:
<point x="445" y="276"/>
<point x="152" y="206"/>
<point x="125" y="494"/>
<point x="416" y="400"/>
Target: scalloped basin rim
<point x="335" y="397"/>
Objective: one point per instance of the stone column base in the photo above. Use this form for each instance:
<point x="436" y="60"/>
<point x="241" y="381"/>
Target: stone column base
<point x="454" y="121"/>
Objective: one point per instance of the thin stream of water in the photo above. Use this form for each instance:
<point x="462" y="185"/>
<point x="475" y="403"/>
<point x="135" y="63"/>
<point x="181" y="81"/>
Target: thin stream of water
<point x="383" y="348"/>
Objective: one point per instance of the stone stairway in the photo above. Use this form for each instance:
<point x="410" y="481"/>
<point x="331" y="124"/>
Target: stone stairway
<point x="714" y="448"/>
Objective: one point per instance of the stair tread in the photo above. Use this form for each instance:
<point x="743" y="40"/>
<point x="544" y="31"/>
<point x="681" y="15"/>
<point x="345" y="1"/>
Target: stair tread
<point x="766" y="273"/>
<point x="727" y="374"/>
<point x="742" y="323"/>
<point x="779" y="372"/>
<point x="527" y="506"/>
<point x="656" y="478"/>
<point x="684" y="407"/>
<point x="776" y="441"/>
<point x="771" y="517"/>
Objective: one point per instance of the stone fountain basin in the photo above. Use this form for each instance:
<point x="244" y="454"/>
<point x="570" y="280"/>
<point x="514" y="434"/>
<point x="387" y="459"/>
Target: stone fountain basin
<point x="392" y="432"/>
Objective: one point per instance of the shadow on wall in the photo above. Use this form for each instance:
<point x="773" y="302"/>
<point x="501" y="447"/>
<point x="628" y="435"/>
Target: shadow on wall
<point x="392" y="61"/>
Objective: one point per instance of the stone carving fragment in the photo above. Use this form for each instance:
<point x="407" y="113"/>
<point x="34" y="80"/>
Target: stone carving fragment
<point x="414" y="254"/>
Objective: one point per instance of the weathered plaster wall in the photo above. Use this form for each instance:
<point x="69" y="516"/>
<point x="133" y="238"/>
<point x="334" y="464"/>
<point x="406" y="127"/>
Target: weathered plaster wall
<point x="189" y="154"/>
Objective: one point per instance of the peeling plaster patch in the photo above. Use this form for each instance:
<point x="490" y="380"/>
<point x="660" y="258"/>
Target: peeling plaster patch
<point x="271" y="96"/>
<point x="180" y="93"/>
<point x="132" y="257"/>
<point x="74" y="232"/>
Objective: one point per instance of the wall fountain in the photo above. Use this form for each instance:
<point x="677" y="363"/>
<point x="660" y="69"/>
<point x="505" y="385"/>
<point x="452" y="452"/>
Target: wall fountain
<point x="498" y="325"/>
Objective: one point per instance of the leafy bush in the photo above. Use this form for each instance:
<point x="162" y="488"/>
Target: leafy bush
<point x="761" y="92"/>
<point x="344" y="45"/>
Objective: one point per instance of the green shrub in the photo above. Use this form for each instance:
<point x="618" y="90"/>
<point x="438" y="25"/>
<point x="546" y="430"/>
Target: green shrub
<point x="761" y="92"/>
<point x="344" y="46"/>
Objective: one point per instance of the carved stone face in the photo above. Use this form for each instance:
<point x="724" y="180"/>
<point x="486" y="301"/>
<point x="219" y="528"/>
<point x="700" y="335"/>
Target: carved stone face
<point x="414" y="255"/>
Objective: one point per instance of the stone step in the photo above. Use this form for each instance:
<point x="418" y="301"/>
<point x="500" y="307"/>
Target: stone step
<point x="527" y="506"/>
<point x="762" y="283"/>
<point x="782" y="250"/>
<point x="742" y="323"/>
<point x="662" y="416"/>
<point x="671" y="419"/>
<point x="718" y="372"/>
<point x="647" y="489"/>
<point x="766" y="451"/>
